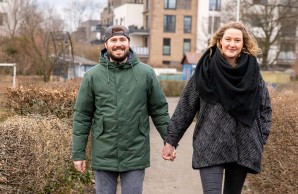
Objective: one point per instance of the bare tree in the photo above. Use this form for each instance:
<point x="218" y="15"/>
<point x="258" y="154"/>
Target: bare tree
<point x="274" y="25"/>
<point x="79" y="11"/>
<point x="274" y="21"/>
<point x="15" y="10"/>
<point x="28" y="31"/>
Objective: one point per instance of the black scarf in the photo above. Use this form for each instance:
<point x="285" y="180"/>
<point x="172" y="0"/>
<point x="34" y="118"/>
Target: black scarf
<point x="236" y="88"/>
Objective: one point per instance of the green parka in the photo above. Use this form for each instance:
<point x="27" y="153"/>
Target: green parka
<point x="115" y="102"/>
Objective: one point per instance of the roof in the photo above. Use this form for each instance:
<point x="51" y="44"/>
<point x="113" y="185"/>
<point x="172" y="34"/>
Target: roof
<point x="191" y="58"/>
<point x="80" y="60"/>
<point x="84" y="61"/>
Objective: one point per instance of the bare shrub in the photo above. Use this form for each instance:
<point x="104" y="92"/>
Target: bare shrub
<point x="34" y="153"/>
<point x="280" y="169"/>
<point x="172" y="87"/>
<point x="43" y="101"/>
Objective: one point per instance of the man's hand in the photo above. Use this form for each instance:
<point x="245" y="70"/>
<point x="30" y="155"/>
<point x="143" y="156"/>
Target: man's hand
<point x="80" y="165"/>
<point x="168" y="152"/>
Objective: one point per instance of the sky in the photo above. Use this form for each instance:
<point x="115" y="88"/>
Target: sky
<point x="60" y="4"/>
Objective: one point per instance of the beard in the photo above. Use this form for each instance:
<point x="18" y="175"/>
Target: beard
<point x="118" y="59"/>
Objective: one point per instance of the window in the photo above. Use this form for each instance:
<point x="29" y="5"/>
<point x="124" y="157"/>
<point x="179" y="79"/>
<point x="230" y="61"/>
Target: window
<point x="166" y="46"/>
<point x="146" y="22"/>
<point x="287" y="52"/>
<point x="262" y="2"/>
<point x="169" y="23"/>
<point x="184" y="4"/>
<point x="214" y="5"/>
<point x="93" y="29"/>
<point x="258" y="21"/>
<point x="187" y="24"/>
<point x="287" y="46"/>
<point x="186" y="45"/>
<point x="166" y="62"/>
<point x="170" y="4"/>
<point x="287" y="29"/>
<point x="147" y="5"/>
<point x="213" y="24"/>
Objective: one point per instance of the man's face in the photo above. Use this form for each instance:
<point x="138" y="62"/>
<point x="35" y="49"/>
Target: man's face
<point x="118" y="48"/>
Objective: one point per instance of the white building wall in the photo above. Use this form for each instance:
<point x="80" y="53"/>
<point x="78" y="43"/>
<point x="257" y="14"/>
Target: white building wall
<point x="128" y="15"/>
<point x="204" y="12"/>
<point x="202" y="25"/>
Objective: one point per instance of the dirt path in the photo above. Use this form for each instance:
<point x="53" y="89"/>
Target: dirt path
<point x="178" y="177"/>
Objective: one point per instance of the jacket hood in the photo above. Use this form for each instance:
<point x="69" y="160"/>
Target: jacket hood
<point x="131" y="61"/>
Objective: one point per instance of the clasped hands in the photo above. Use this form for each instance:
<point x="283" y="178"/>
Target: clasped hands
<point x="168" y="152"/>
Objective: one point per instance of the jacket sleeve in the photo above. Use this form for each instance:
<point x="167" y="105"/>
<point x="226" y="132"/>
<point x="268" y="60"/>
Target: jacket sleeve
<point x="184" y="114"/>
<point x="82" y="120"/>
<point x="265" y="111"/>
<point x="157" y="104"/>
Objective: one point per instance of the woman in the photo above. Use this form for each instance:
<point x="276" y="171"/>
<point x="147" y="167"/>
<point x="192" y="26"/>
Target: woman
<point x="233" y="108"/>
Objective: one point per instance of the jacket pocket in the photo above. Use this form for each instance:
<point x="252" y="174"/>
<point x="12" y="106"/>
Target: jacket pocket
<point x="97" y="127"/>
<point x="262" y="139"/>
<point x="143" y="126"/>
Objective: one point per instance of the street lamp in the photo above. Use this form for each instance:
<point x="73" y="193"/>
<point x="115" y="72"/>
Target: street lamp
<point x="238" y="10"/>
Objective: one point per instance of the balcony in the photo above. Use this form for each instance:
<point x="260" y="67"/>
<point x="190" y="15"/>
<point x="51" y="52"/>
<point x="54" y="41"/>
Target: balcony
<point x="141" y="51"/>
<point x="134" y="30"/>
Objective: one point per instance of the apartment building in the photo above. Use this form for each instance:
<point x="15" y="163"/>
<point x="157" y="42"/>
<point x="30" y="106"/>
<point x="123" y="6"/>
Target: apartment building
<point x="87" y="32"/>
<point x="172" y="26"/>
<point x="167" y="30"/>
<point x="107" y="15"/>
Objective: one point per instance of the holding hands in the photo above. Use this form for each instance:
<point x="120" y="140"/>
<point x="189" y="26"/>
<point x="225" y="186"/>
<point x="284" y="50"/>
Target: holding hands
<point x="168" y="152"/>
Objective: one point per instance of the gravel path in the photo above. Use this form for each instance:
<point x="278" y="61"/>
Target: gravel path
<point x="178" y="177"/>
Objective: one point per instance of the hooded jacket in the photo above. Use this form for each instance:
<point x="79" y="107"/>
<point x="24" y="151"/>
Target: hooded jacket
<point x="115" y="102"/>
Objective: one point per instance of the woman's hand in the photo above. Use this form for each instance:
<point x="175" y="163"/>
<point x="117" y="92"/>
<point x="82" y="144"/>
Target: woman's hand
<point x="168" y="152"/>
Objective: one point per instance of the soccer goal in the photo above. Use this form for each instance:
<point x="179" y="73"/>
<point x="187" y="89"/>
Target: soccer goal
<point x="14" y="71"/>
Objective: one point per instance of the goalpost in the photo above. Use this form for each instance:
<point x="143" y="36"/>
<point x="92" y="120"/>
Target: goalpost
<point x="14" y="71"/>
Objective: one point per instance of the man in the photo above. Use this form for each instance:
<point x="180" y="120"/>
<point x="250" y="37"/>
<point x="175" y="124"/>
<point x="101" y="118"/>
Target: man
<point x="115" y="100"/>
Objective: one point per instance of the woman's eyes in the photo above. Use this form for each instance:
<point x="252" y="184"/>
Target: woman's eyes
<point x="228" y="39"/>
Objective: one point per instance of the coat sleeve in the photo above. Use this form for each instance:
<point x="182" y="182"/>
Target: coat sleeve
<point x="184" y="114"/>
<point x="265" y="111"/>
<point x="82" y="119"/>
<point x="157" y="105"/>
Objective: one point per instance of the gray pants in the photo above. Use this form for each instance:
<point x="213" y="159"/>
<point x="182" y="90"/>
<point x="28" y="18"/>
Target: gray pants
<point x="131" y="181"/>
<point x="212" y="176"/>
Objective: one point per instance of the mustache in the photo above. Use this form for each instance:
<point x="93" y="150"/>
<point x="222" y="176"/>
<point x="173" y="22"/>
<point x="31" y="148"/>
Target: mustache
<point x="118" y="47"/>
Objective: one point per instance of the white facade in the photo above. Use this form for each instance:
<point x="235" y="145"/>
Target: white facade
<point x="128" y="15"/>
<point x="202" y="26"/>
<point x="204" y="13"/>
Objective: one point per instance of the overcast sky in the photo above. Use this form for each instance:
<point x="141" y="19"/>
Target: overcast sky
<point x="60" y="4"/>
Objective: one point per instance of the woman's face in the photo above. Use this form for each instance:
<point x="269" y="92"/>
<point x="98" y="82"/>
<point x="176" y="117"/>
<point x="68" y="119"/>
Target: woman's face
<point x="232" y="44"/>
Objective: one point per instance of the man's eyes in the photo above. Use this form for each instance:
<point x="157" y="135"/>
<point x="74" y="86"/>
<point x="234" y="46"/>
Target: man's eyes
<point x="121" y="40"/>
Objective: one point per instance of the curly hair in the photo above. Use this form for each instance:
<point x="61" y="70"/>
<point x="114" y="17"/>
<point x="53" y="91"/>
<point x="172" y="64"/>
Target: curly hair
<point x="250" y="44"/>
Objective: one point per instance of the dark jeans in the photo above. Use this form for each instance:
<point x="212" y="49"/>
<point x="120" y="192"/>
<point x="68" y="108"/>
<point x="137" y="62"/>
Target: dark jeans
<point x="131" y="181"/>
<point x="212" y="177"/>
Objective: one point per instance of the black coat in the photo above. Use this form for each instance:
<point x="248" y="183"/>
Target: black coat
<point x="218" y="138"/>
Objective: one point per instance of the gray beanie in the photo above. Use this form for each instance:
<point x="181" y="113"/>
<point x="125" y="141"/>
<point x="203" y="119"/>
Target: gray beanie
<point x="116" y="30"/>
